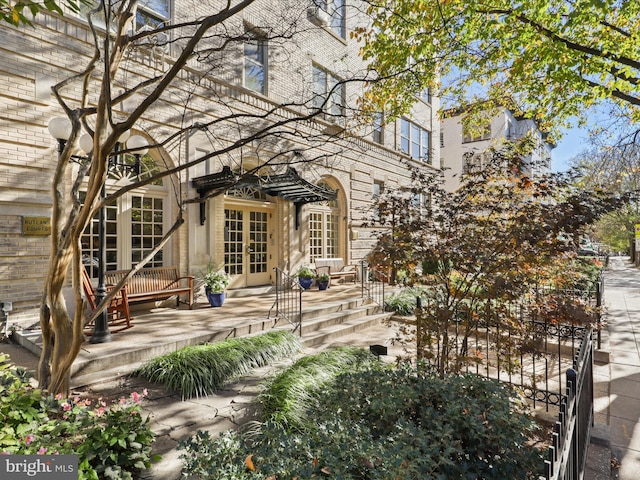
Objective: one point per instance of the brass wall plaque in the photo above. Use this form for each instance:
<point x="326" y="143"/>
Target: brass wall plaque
<point x="36" y="225"/>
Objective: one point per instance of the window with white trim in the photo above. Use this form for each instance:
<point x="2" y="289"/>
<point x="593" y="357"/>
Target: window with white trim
<point x="415" y="141"/>
<point x="324" y="228"/>
<point x="255" y="64"/>
<point x="336" y="9"/>
<point x="135" y="224"/>
<point x="421" y="203"/>
<point x="378" y="188"/>
<point x="147" y="225"/>
<point x="153" y="13"/>
<point x="323" y="235"/>
<point x="327" y="88"/>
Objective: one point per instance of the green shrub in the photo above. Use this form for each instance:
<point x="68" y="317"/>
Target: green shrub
<point x="110" y="441"/>
<point x="381" y="424"/>
<point x="202" y="369"/>
<point x="288" y="397"/>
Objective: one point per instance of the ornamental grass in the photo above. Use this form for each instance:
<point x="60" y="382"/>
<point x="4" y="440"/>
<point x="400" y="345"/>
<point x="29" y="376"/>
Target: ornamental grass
<point x="201" y="370"/>
<point x="290" y="395"/>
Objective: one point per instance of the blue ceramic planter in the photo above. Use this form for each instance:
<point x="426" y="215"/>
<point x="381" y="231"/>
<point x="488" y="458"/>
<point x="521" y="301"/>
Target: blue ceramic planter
<point x="305" y="282"/>
<point x="216" y="299"/>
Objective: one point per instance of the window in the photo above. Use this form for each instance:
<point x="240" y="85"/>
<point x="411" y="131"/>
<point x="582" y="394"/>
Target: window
<point x="327" y="88"/>
<point x="378" y="128"/>
<point x="378" y="188"/>
<point x="323" y="235"/>
<point x="471" y="163"/>
<point x="415" y="141"/>
<point x="425" y="95"/>
<point x="336" y="11"/>
<point x="324" y="228"/>
<point x="91" y="241"/>
<point x="441" y="139"/>
<point x="147" y="219"/>
<point x="255" y="65"/>
<point x="421" y="203"/>
<point x="134" y="223"/>
<point x="476" y="134"/>
<point x="142" y="230"/>
<point x="153" y="13"/>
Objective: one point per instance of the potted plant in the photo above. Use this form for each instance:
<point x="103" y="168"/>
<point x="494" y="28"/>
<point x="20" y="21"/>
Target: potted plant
<point x="215" y="285"/>
<point x="305" y="276"/>
<point x="323" y="281"/>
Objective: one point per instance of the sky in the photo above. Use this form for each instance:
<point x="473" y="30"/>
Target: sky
<point x="573" y="142"/>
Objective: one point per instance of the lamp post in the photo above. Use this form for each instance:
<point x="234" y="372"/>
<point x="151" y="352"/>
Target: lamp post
<point x="60" y="129"/>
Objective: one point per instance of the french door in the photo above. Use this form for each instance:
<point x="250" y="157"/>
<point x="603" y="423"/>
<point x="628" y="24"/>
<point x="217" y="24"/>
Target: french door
<point x="246" y="246"/>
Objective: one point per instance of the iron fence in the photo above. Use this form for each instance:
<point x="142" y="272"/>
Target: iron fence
<point x="526" y="352"/>
<point x="568" y="453"/>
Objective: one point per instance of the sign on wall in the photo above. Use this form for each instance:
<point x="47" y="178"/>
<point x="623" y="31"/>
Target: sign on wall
<point x="36" y="226"/>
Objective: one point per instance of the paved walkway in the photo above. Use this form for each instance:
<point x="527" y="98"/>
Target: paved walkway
<point x="622" y="299"/>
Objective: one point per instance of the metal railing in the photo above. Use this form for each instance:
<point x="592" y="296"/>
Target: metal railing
<point x="287" y="305"/>
<point x="529" y="353"/>
<point x="373" y="282"/>
<point x="568" y="453"/>
<point x="590" y="297"/>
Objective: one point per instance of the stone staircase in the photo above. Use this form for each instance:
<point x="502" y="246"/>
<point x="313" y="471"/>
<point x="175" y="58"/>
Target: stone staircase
<point x="157" y="333"/>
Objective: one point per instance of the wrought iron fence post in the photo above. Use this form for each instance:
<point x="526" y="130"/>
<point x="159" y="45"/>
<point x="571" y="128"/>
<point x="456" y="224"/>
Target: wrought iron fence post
<point x="599" y="293"/>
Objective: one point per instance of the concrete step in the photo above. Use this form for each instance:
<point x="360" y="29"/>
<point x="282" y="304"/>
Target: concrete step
<point x="322" y="323"/>
<point x="330" y="333"/>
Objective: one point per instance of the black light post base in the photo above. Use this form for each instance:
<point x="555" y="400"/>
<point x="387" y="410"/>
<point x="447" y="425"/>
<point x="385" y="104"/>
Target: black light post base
<point x="101" y="333"/>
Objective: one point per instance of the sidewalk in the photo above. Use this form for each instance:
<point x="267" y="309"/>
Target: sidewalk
<point x="622" y="300"/>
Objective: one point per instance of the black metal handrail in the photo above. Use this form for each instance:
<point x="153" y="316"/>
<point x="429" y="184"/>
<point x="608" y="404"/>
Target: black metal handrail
<point x="288" y="302"/>
<point x="373" y="282"/>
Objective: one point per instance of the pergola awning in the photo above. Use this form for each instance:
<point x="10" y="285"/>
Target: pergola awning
<point x="289" y="185"/>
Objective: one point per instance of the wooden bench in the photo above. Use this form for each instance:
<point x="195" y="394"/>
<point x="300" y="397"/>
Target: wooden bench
<point x="154" y="283"/>
<point x="336" y="268"/>
<point x="118" y="314"/>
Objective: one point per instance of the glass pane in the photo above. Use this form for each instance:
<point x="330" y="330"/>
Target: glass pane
<point x="254" y="77"/>
<point x="404" y="128"/>
<point x="158" y="6"/>
<point x="404" y="145"/>
<point x="425" y="141"/>
<point x="337" y="17"/>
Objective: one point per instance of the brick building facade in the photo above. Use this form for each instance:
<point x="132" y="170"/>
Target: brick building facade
<point x="247" y="230"/>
